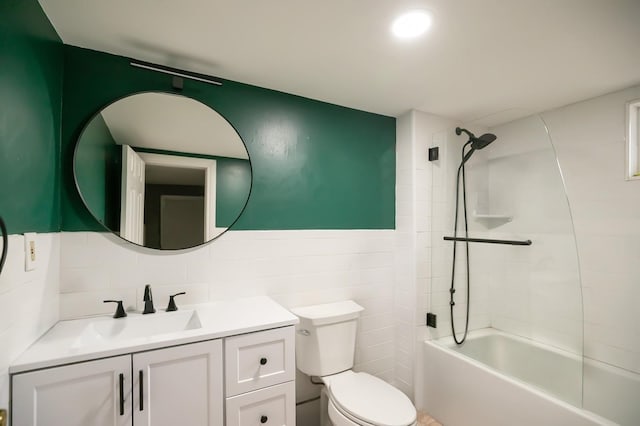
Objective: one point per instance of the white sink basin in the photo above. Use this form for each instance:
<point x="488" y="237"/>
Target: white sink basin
<point x="114" y="330"/>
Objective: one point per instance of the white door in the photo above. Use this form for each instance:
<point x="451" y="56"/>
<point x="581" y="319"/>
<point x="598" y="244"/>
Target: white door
<point x="96" y="393"/>
<point x="132" y="196"/>
<point x="210" y="229"/>
<point x="181" y="385"/>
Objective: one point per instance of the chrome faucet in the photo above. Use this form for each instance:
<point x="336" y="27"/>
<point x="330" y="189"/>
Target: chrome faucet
<point x="148" y="301"/>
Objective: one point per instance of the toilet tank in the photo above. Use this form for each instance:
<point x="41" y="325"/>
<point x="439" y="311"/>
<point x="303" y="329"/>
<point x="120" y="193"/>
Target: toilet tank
<point x="326" y="338"/>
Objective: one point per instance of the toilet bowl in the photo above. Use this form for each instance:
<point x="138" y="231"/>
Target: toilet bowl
<point x="325" y="347"/>
<point x="365" y="400"/>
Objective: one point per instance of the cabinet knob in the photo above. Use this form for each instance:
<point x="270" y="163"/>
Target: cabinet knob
<point x="263" y="361"/>
<point x="264" y="419"/>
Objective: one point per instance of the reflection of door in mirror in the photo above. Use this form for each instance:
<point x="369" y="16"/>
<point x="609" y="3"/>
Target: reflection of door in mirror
<point x="132" y="203"/>
<point x="168" y="201"/>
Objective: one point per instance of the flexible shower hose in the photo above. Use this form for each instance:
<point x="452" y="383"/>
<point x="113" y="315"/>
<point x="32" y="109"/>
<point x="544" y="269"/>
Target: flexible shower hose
<point x="452" y="289"/>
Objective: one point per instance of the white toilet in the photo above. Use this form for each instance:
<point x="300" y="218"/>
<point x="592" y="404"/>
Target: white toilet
<point x="325" y="346"/>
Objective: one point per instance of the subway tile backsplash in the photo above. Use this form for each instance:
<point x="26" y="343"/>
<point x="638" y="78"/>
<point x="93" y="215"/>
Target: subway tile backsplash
<point x="293" y="267"/>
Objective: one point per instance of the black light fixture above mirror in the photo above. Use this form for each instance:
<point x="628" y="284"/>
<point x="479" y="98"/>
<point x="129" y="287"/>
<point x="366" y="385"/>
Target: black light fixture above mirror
<point x="174" y="72"/>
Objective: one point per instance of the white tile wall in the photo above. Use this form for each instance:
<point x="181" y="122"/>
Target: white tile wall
<point x="405" y="255"/>
<point x="537" y="291"/>
<point x="295" y="268"/>
<point x="589" y="139"/>
<point x="443" y="190"/>
<point x="534" y="291"/>
<point x="414" y="219"/>
<point x="542" y="290"/>
<point x="28" y="300"/>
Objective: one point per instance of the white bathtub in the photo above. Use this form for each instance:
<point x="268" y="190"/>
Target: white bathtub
<point x="499" y="379"/>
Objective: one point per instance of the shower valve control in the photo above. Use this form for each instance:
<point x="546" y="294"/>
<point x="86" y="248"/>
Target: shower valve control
<point x="434" y="153"/>
<point x="431" y="320"/>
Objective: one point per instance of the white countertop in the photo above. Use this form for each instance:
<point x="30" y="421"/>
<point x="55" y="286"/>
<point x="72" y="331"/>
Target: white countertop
<point x="59" y="345"/>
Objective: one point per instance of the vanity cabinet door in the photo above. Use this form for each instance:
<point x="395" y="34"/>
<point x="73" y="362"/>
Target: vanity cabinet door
<point x="181" y="385"/>
<point x="96" y="393"/>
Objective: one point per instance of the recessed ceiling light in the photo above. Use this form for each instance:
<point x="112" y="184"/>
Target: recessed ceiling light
<point x="411" y="24"/>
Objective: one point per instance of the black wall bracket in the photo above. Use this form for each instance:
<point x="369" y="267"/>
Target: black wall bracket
<point x="434" y="153"/>
<point x="177" y="83"/>
<point x="431" y="320"/>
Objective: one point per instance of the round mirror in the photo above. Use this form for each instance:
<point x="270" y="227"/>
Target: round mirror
<point x="162" y="171"/>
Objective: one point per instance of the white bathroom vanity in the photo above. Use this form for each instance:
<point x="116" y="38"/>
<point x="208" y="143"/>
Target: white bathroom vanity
<point x="230" y="362"/>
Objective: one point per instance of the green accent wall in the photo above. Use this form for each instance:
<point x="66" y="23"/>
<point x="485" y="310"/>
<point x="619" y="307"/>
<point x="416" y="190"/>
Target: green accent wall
<point x="31" y="68"/>
<point x="315" y="165"/>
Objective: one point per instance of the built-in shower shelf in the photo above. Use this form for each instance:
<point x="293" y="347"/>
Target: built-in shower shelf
<point x="492" y="220"/>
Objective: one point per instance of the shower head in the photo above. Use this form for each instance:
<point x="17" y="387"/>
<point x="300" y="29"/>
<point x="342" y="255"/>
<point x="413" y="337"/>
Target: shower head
<point x="482" y="141"/>
<point x="476" y="142"/>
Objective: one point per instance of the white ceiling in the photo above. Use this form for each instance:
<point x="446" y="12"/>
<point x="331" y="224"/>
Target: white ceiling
<point x="499" y="59"/>
<point x="172" y="123"/>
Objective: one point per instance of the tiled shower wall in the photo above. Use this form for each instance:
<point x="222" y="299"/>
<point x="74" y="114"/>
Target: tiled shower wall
<point x="405" y="256"/>
<point x="436" y="291"/>
<point x="414" y="217"/>
<point x="534" y="290"/>
<point x="28" y="300"/>
<point x="537" y="292"/>
<point x="589" y="138"/>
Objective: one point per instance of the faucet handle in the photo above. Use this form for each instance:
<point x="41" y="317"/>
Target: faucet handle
<point x="120" y="313"/>
<point x="172" y="303"/>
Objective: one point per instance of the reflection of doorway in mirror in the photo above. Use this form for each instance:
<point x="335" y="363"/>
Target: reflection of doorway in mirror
<point x="146" y="177"/>
<point x="180" y="186"/>
<point x="174" y="175"/>
<point x="181" y="221"/>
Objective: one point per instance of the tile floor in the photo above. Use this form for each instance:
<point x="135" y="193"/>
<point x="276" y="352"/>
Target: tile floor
<point x="426" y="420"/>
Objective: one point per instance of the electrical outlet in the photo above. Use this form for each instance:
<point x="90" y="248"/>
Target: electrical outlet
<point x="30" y="251"/>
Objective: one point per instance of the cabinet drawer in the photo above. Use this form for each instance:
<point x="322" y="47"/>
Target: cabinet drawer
<point x="257" y="360"/>
<point x="272" y="406"/>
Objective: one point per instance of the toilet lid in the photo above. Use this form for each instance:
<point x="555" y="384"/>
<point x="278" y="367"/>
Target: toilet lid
<point x="372" y="400"/>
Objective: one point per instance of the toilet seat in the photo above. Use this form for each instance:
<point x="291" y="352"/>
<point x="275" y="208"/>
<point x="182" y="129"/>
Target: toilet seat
<point x="369" y="401"/>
